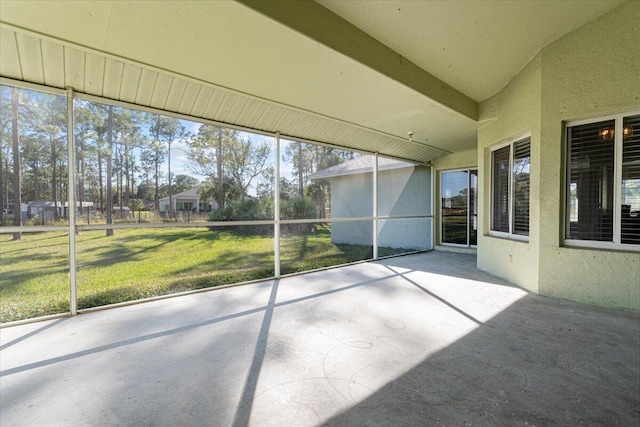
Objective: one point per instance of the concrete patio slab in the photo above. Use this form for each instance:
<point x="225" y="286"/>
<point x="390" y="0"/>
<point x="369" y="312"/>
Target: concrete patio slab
<point x="418" y="340"/>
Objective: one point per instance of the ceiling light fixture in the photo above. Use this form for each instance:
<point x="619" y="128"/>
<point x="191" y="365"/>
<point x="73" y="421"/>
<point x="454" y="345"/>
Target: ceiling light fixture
<point x="608" y="134"/>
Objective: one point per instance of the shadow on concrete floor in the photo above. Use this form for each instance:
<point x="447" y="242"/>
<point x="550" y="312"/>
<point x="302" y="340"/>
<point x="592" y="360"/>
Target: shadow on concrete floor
<point x="417" y="340"/>
<point x="539" y="362"/>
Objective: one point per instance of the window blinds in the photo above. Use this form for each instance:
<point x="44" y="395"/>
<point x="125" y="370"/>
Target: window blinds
<point x="591" y="175"/>
<point x="630" y="197"/>
<point x="521" y="173"/>
<point x="500" y="184"/>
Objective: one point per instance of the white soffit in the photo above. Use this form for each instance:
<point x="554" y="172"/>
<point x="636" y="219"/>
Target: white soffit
<point x="30" y="58"/>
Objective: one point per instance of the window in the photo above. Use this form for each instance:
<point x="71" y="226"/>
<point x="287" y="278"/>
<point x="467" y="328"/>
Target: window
<point x="510" y="170"/>
<point x="603" y="182"/>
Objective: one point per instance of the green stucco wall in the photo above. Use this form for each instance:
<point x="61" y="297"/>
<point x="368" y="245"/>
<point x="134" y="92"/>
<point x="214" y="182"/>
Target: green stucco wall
<point x="591" y="72"/>
<point x="467" y="159"/>
<point x="507" y="116"/>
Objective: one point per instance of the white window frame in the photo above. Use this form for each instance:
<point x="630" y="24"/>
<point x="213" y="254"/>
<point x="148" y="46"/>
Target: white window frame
<point x="503" y="234"/>
<point x="617" y="185"/>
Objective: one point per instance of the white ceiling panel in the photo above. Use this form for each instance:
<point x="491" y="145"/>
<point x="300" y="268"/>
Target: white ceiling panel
<point x="288" y="120"/>
<point x="307" y="124"/>
<point x="225" y="107"/>
<point x="10" y="60"/>
<point x="214" y="103"/>
<point x="73" y="69"/>
<point x="269" y="119"/>
<point x="236" y="110"/>
<point x="30" y="57"/>
<point x="113" y="71"/>
<point x="94" y="74"/>
<point x="130" y="83"/>
<point x="189" y="98"/>
<point x="145" y="87"/>
<point x="259" y="111"/>
<point x="53" y="56"/>
<point x="252" y="110"/>
<point x="161" y="91"/>
<point x="200" y="104"/>
<point x="174" y="97"/>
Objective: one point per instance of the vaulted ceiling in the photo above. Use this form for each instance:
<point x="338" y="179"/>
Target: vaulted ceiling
<point x="360" y="74"/>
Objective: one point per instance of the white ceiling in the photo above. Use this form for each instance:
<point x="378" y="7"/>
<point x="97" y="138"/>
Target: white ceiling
<point x="474" y="46"/>
<point x="171" y="54"/>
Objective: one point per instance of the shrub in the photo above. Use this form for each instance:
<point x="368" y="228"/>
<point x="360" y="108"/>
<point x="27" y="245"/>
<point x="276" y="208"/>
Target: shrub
<point x="262" y="210"/>
<point x="245" y="210"/>
<point x="298" y="208"/>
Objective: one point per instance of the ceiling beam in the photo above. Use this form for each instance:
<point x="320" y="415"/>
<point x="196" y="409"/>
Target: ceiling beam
<point x="325" y="27"/>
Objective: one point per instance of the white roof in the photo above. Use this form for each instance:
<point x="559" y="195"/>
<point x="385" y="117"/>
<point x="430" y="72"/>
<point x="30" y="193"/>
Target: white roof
<point x="188" y="194"/>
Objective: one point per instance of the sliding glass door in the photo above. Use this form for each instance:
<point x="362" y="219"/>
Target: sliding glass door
<point x="459" y="207"/>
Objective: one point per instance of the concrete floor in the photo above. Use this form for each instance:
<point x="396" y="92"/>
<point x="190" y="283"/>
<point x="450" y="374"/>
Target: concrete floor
<point x="417" y="340"/>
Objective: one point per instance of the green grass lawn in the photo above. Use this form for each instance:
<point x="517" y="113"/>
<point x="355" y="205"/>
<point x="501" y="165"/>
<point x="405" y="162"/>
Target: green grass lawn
<point x="140" y="263"/>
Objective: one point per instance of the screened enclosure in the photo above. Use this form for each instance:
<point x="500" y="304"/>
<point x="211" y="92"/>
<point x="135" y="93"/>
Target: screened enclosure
<point x="105" y="203"/>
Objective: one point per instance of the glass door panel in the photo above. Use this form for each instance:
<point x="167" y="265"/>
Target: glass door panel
<point x="473" y="207"/>
<point x="454" y="195"/>
<point x="459" y="207"/>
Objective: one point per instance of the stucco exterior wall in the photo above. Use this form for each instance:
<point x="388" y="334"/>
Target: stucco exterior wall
<point x="512" y="113"/>
<point x="467" y="159"/>
<point x="591" y="72"/>
<point x="403" y="191"/>
<point x="352" y="196"/>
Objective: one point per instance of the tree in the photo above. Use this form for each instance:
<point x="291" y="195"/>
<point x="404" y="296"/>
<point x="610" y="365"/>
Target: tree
<point x="244" y="160"/>
<point x="165" y="130"/>
<point x="17" y="202"/>
<point x="83" y="134"/>
<point x="305" y="159"/>
<point x="301" y="157"/>
<point x="205" y="157"/>
<point x="231" y="160"/>
<point x="5" y="147"/>
<point x="184" y="183"/>
<point x="50" y="127"/>
<point x="98" y="118"/>
<point x="109" y="171"/>
<point x="128" y="136"/>
<point x="151" y="157"/>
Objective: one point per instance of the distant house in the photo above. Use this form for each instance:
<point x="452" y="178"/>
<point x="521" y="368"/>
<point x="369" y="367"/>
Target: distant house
<point x="121" y="212"/>
<point x="82" y="208"/>
<point x="10" y="213"/>
<point x="403" y="185"/>
<point x="44" y="210"/>
<point x="187" y="201"/>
